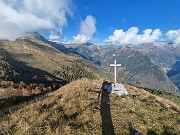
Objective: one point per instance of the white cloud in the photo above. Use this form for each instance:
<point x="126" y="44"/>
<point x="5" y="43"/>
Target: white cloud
<point x="56" y="35"/>
<point x="173" y="36"/>
<point x="87" y="30"/>
<point x="131" y="36"/>
<point x="18" y="17"/>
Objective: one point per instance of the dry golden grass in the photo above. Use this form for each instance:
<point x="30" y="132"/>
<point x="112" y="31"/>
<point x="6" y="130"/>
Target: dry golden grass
<point x="73" y="109"/>
<point x="66" y="111"/>
<point x="163" y="102"/>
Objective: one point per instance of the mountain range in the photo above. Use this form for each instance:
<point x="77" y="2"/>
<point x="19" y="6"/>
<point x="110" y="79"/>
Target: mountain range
<point x="33" y="59"/>
<point x="56" y="88"/>
<point x="143" y="65"/>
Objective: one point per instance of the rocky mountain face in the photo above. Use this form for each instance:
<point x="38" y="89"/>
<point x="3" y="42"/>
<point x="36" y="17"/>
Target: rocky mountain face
<point x="30" y="65"/>
<point x="161" y="55"/>
<point x="167" y="57"/>
<point x="143" y="65"/>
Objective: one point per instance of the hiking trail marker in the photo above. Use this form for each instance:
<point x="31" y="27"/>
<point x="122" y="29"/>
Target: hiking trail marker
<point x="115" y="65"/>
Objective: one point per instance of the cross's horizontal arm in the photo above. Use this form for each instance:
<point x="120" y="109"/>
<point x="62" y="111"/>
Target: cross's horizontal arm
<point x="112" y="65"/>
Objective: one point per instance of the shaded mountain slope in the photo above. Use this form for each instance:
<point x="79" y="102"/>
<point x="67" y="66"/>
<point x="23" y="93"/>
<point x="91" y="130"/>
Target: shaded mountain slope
<point x="73" y="109"/>
<point x="19" y="79"/>
<point x="17" y="71"/>
<point x="174" y="74"/>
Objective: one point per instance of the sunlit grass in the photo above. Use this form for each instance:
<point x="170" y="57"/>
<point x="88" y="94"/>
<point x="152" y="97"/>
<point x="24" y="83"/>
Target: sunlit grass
<point x="73" y="109"/>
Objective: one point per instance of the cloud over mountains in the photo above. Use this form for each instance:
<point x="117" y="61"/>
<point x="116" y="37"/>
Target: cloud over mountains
<point x="174" y="36"/>
<point x="131" y="36"/>
<point x="56" y="34"/>
<point x="87" y="30"/>
<point x="18" y="17"/>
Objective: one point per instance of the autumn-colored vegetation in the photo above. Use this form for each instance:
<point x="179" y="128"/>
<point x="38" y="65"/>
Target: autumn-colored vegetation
<point x="29" y="66"/>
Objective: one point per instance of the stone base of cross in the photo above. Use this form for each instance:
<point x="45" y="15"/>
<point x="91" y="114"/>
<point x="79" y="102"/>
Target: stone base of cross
<point x="117" y="88"/>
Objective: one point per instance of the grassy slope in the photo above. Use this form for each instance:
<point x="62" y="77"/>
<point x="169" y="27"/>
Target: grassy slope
<point x="38" y="54"/>
<point x="36" y="63"/>
<point x="73" y="109"/>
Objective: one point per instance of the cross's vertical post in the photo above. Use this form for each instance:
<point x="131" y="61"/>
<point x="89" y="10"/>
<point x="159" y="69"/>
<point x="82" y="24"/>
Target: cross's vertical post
<point x="115" y="65"/>
<point x="115" y="72"/>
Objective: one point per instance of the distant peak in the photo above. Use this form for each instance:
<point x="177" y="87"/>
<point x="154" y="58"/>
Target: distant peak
<point x="35" y="35"/>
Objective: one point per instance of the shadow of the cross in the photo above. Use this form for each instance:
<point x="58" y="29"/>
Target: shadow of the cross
<point x="107" y="125"/>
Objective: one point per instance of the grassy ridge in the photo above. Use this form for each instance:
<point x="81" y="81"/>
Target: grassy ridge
<point x="75" y="109"/>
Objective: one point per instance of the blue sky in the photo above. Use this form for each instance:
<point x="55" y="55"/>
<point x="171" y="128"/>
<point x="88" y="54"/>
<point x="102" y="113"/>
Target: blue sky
<point x="123" y="14"/>
<point x="97" y="21"/>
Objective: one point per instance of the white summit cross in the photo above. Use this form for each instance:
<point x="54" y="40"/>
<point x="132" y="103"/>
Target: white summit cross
<point x="115" y="65"/>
